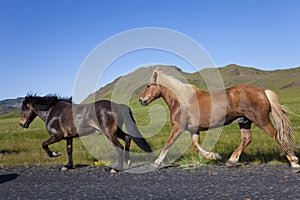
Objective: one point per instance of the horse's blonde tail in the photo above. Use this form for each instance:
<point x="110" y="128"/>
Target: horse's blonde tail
<point x="285" y="133"/>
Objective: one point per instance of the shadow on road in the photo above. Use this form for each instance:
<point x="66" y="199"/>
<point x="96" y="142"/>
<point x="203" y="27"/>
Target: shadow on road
<point x="7" y="177"/>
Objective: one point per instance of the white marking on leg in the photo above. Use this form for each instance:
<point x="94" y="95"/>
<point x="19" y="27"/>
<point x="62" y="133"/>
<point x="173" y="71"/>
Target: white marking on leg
<point x="293" y="161"/>
<point x="161" y="157"/>
<point x="233" y="160"/>
<point x="64" y="168"/>
<point x="157" y="162"/>
<point x="56" y="153"/>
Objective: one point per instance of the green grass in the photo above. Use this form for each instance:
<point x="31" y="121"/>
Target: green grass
<point x="20" y="146"/>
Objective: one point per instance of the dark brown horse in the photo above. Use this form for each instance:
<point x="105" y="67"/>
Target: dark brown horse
<point x="65" y="120"/>
<point x="196" y="110"/>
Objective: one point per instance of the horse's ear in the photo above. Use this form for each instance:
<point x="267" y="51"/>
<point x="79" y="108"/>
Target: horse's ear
<point x="154" y="77"/>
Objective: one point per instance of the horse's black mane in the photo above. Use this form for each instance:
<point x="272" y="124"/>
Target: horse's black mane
<point x="44" y="102"/>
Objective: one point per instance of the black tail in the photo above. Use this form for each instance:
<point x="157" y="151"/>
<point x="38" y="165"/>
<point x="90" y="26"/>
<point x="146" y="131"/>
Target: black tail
<point x="132" y="129"/>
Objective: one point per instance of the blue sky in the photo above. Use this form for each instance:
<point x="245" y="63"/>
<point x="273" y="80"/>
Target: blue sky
<point x="44" y="42"/>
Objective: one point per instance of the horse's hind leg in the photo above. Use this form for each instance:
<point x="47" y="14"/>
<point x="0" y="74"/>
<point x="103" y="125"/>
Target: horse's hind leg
<point x="48" y="142"/>
<point x="245" y="127"/>
<point x="127" y="139"/>
<point x="119" y="148"/>
<point x="271" y="131"/>
<point x="69" y="165"/>
<point x="127" y="149"/>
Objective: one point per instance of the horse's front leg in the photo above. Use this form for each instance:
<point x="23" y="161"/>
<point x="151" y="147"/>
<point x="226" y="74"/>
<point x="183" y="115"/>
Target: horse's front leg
<point x="127" y="139"/>
<point x="69" y="165"/>
<point x="197" y="147"/>
<point x="176" y="131"/>
<point x="48" y="142"/>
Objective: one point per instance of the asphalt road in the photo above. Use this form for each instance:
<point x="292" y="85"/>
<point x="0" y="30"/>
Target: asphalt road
<point x="207" y="182"/>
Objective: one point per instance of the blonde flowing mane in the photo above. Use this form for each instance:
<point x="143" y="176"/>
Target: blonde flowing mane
<point x="183" y="92"/>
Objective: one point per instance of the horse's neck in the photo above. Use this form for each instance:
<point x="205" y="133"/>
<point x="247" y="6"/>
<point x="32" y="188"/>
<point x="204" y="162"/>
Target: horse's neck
<point x="43" y="114"/>
<point x="169" y="98"/>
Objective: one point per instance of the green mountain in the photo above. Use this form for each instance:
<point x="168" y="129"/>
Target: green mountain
<point x="277" y="80"/>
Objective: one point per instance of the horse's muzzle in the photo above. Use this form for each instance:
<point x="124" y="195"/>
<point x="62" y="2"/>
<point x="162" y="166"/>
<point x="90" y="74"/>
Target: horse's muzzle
<point x="143" y="102"/>
<point x="24" y="125"/>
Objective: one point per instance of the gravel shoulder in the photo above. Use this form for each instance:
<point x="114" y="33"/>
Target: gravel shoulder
<point x="208" y="182"/>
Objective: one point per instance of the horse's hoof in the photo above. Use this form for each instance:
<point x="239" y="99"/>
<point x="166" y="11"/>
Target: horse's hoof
<point x="64" y="168"/>
<point x="113" y="171"/>
<point x="216" y="156"/>
<point x="56" y="153"/>
<point x="213" y="156"/>
<point x="230" y="164"/>
<point x="157" y="163"/>
<point x="67" y="167"/>
<point x="295" y="166"/>
<point x="129" y="163"/>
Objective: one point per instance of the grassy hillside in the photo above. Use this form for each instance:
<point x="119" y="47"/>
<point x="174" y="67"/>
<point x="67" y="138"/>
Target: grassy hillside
<point x="277" y="80"/>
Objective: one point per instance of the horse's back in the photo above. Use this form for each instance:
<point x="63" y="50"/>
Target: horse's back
<point x="246" y="89"/>
<point x="247" y="94"/>
<point x="249" y="101"/>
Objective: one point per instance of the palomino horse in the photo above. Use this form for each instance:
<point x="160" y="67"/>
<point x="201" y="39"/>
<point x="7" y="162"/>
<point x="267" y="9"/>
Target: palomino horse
<point x="192" y="109"/>
<point x="60" y="116"/>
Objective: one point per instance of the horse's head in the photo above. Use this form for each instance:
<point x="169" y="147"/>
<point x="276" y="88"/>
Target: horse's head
<point x="152" y="91"/>
<point x="28" y="114"/>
